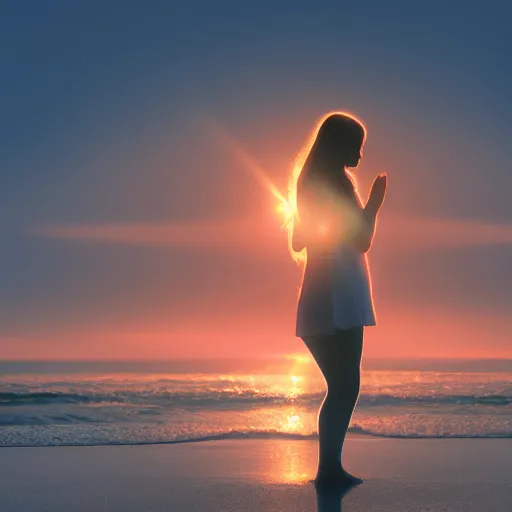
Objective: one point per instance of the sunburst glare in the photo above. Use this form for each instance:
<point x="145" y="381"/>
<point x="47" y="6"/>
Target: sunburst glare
<point x="286" y="203"/>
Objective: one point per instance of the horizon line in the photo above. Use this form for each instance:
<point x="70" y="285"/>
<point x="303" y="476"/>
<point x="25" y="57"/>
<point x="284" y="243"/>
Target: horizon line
<point x="247" y="358"/>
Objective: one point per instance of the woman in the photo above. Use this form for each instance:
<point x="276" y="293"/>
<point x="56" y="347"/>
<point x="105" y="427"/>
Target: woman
<point x="335" y="302"/>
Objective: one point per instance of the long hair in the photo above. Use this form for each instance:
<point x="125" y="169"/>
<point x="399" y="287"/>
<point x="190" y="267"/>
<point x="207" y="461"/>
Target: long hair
<point x="339" y="135"/>
<point x="336" y="135"/>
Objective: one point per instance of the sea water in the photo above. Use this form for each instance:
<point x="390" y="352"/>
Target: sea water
<point x="47" y="404"/>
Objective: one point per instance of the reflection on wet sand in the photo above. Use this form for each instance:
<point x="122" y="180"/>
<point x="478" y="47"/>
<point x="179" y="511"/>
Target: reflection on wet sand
<point x="331" y="499"/>
<point x="288" y="464"/>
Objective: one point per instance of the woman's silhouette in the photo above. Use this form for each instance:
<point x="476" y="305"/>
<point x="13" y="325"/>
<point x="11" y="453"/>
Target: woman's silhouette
<point x="335" y="302"/>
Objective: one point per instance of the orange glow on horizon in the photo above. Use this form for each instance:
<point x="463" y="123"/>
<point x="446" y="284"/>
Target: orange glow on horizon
<point x="299" y="358"/>
<point x="215" y="329"/>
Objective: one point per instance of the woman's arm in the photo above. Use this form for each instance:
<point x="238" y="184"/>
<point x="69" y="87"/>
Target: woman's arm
<point x="370" y="211"/>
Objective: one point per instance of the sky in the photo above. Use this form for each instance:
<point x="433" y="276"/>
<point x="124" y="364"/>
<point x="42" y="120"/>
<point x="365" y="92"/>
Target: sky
<point x="132" y="227"/>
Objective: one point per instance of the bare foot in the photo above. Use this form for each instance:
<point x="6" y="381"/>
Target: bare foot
<point x="354" y="479"/>
<point x="338" y="477"/>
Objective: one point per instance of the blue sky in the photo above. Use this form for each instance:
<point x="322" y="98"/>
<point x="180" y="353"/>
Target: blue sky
<point x="104" y="122"/>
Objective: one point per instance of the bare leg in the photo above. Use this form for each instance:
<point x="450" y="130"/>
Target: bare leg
<point x="339" y="359"/>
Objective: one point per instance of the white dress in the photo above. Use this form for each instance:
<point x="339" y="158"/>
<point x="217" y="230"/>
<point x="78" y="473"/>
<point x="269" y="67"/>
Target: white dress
<point x="352" y="301"/>
<point x="336" y="292"/>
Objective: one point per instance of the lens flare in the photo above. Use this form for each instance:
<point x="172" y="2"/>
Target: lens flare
<point x="286" y="203"/>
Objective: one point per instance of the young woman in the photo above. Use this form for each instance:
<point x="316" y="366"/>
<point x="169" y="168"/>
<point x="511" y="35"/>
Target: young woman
<point x="335" y="302"/>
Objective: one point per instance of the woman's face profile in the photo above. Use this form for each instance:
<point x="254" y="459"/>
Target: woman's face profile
<point x="341" y="143"/>
<point x="353" y="157"/>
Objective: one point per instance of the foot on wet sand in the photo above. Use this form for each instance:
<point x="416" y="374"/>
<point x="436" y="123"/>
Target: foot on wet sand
<point x="338" y="478"/>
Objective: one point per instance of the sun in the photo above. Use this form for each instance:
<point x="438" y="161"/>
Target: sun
<point x="285" y="209"/>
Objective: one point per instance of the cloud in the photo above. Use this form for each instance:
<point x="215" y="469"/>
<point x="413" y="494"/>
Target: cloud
<point x="217" y="234"/>
<point x="423" y="233"/>
<point x="253" y="234"/>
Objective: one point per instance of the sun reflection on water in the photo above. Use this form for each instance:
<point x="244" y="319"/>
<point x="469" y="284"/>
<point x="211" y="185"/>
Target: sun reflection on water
<point x="289" y="414"/>
<point x="294" y="422"/>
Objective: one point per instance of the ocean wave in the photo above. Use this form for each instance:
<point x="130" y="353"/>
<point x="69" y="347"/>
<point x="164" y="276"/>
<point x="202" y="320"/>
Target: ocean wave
<point x="241" y="435"/>
<point x="146" y="409"/>
<point x="240" y="399"/>
<point x="52" y="397"/>
<point x="356" y="429"/>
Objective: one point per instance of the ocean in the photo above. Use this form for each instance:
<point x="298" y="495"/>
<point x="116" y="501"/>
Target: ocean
<point x="107" y="403"/>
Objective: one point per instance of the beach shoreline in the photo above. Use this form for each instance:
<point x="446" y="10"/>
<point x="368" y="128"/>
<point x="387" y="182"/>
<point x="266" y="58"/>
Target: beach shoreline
<point x="248" y="437"/>
<point x="258" y="475"/>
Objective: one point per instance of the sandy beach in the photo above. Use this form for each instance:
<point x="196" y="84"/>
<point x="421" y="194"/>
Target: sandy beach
<point x="445" y="475"/>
